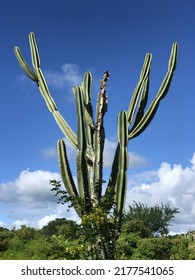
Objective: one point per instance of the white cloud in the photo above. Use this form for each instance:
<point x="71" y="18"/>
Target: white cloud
<point x="46" y="219"/>
<point x="2" y="224"/>
<point x="28" y="199"/>
<point x="174" y="185"/>
<point x="68" y="76"/>
<point x="51" y="152"/>
<point x="40" y="220"/>
<point x="109" y="152"/>
<point x="48" y="153"/>
<point x="136" y="160"/>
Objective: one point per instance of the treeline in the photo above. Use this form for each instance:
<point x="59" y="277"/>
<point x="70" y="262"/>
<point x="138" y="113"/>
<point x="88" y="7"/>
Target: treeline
<point x="144" y="236"/>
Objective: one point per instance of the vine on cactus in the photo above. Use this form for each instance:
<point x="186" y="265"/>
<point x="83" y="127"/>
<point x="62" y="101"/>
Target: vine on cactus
<point x="90" y="138"/>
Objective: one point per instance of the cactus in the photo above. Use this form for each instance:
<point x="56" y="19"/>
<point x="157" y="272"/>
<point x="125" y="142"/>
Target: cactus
<point x="90" y="138"/>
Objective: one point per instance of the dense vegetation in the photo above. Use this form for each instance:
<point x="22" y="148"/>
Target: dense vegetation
<point x="65" y="239"/>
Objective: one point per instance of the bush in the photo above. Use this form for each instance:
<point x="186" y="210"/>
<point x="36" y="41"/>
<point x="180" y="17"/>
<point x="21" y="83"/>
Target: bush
<point x="126" y="245"/>
<point x="157" y="248"/>
<point x="180" y="250"/>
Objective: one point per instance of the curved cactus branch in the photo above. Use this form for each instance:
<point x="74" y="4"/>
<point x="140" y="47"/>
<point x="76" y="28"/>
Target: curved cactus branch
<point x="148" y="116"/>
<point x="139" y="90"/>
<point x="38" y="77"/>
<point x="24" y="65"/>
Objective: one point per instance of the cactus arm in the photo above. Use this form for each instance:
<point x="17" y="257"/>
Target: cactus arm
<point x="34" y="51"/>
<point x="24" y="65"/>
<point x="148" y="116"/>
<point x="71" y="136"/>
<point x="80" y="118"/>
<point x="121" y="180"/>
<point x="65" y="169"/>
<point x="82" y="171"/>
<point x="51" y="105"/>
<point x="88" y="113"/>
<point x="38" y="77"/>
<point x="138" y="90"/>
<point x="142" y="100"/>
<point x="67" y="175"/>
<point x="86" y="87"/>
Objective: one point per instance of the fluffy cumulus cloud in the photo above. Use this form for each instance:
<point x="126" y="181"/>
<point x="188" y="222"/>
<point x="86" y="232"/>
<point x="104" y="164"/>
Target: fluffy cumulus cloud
<point x="169" y="184"/>
<point x="28" y="187"/>
<point x="28" y="199"/>
<point x="109" y="152"/>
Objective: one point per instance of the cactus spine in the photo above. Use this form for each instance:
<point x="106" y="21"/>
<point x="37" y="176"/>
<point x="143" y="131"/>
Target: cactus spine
<point x="90" y="138"/>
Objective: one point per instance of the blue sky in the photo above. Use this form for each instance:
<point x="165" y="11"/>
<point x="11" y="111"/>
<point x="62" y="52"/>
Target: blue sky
<point x="74" y="37"/>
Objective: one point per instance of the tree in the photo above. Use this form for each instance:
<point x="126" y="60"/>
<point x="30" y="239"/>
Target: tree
<point x="51" y="228"/>
<point x="161" y="248"/>
<point x="156" y="218"/>
<point x="68" y="229"/>
<point x="4" y="239"/>
<point x="26" y="233"/>
<point x="89" y="144"/>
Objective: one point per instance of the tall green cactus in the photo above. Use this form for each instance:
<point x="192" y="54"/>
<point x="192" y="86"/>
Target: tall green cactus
<point x="90" y="137"/>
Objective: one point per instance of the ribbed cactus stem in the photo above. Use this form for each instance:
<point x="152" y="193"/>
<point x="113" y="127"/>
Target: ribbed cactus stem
<point x="140" y="121"/>
<point x="145" y="119"/>
<point x="37" y="76"/>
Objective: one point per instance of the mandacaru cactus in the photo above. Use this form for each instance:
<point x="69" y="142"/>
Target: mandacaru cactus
<point x="89" y="141"/>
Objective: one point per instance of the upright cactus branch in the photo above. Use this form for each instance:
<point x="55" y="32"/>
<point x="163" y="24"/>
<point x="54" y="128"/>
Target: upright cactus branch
<point x="87" y="197"/>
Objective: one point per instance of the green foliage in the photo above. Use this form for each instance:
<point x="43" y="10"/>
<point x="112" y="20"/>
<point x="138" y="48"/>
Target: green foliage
<point x="162" y="248"/>
<point x="100" y="230"/>
<point x="62" y="246"/>
<point x="126" y="245"/>
<point x="138" y="227"/>
<point x="60" y="226"/>
<point x="156" y="218"/>
<point x="89" y="144"/>
<point x="153" y="249"/>
<point x="180" y="249"/>
<point x="4" y="240"/>
<point x="26" y="233"/>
